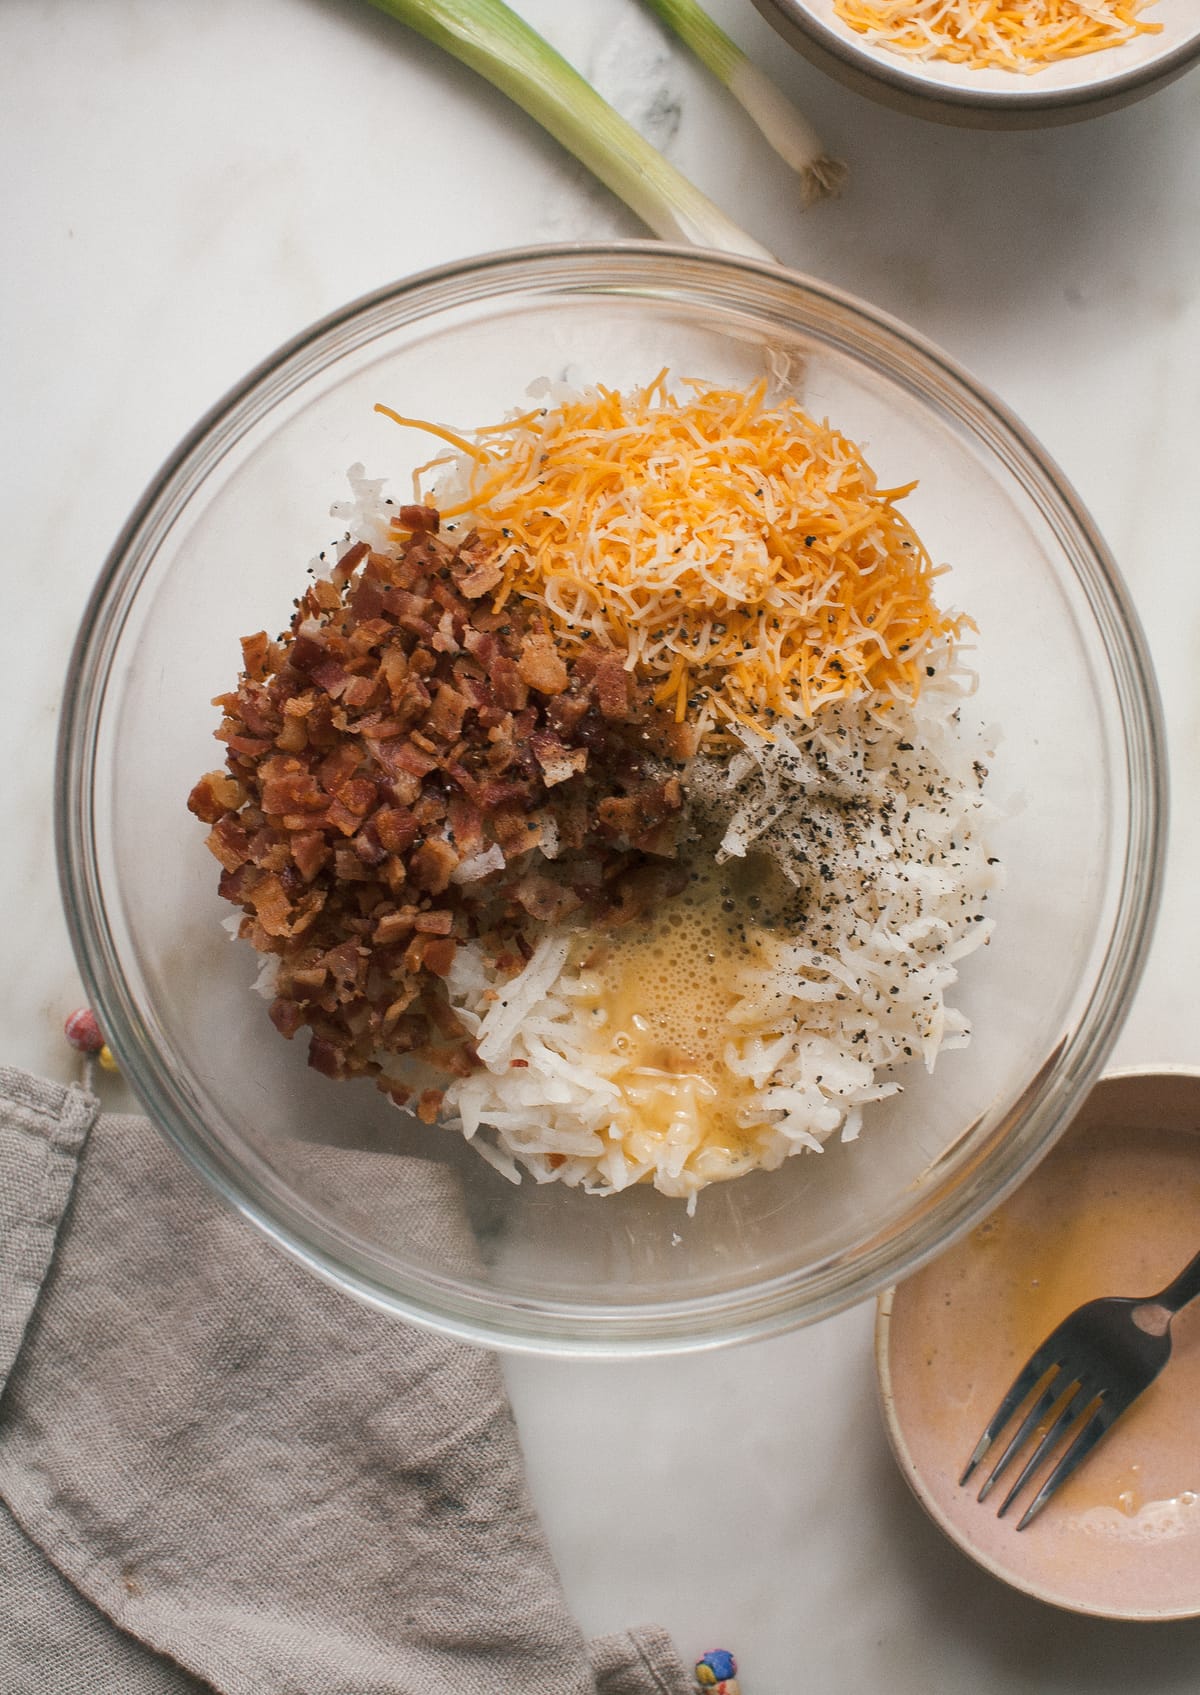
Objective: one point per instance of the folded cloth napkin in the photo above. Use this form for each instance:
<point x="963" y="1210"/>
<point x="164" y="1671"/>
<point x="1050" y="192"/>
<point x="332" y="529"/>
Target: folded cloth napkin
<point x="218" y="1472"/>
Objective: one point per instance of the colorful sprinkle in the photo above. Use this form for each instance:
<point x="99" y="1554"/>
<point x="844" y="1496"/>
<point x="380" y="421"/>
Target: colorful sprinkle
<point x="717" y="1671"/>
<point x="82" y="1031"/>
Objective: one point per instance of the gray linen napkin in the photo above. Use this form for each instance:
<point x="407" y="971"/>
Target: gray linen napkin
<point x="217" y="1472"/>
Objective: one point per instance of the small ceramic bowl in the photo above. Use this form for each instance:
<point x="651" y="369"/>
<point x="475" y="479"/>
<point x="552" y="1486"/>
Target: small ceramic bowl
<point x="1113" y="1210"/>
<point x="994" y="99"/>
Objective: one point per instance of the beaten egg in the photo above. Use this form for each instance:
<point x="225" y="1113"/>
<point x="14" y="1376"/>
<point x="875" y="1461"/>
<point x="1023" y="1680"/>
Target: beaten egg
<point x="660" y="997"/>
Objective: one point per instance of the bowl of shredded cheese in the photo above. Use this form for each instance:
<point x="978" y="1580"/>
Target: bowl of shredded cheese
<point x="995" y="63"/>
<point x="636" y="737"/>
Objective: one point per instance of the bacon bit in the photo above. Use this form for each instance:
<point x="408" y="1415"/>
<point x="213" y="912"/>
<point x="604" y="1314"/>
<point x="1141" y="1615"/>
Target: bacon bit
<point x="612" y="688"/>
<point x="408" y="757"/>
<point x="438" y="956"/>
<point x="360" y="692"/>
<point x="440" y="922"/>
<point x="271" y="905"/>
<point x="396" y="828"/>
<point x="545" y="898"/>
<point x="508" y="685"/>
<point x="348" y="866"/>
<point x="323" y="595"/>
<point x="251" y="746"/>
<point x="418" y="519"/>
<point x="295" y="791"/>
<point x="540" y="665"/>
<point x="431" y="865"/>
<point x="429" y="1104"/>
<point x="215" y="794"/>
<point x="286" y="1015"/>
<point x="557" y="762"/>
<point x="255" y="650"/>
<point x="445" y="717"/>
<point x="349" y="563"/>
<point x="331" y="676"/>
<point x="229" y="842"/>
<point x="341" y="818"/>
<point x="293" y="738"/>
<point x="392" y="927"/>
<point x="327" y="1058"/>
<point x="358" y="795"/>
<point x="368" y="846"/>
<point x="481" y="580"/>
<point x="309" y="853"/>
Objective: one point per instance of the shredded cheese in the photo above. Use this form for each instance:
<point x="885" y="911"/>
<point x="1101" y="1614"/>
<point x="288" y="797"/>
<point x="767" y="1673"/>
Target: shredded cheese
<point x="1012" y="35"/>
<point x="738" y="554"/>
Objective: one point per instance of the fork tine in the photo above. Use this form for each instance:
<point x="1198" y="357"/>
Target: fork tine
<point x="1078" y="1401"/>
<point x="1080" y="1448"/>
<point x="1026" y="1379"/>
<point x="1037" y="1412"/>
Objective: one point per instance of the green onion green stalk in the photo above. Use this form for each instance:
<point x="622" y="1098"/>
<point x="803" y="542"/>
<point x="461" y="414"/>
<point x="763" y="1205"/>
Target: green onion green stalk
<point x="492" y="40"/>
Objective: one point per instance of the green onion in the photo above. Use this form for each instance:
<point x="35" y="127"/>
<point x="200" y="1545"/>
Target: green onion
<point x="787" y="130"/>
<point x="492" y="40"/>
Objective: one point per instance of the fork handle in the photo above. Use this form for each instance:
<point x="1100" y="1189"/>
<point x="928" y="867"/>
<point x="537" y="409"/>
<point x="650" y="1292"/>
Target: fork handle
<point x="1185" y="1287"/>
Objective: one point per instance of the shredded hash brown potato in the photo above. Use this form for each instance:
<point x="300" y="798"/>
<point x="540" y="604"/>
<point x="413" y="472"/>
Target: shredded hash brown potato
<point x="739" y="554"/>
<point x="1007" y="35"/>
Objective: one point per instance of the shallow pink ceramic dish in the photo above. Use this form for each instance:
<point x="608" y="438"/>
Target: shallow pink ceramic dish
<point x="1114" y="1209"/>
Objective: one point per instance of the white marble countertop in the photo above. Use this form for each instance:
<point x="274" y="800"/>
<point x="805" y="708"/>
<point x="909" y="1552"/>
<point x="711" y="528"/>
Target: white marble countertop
<point x="185" y="187"/>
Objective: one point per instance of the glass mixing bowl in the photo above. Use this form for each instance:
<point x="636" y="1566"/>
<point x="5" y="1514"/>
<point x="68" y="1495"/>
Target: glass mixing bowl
<point x="218" y="548"/>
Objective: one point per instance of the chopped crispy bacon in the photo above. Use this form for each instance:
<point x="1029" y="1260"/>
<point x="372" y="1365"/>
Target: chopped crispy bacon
<point x="431" y="865"/>
<point x="330" y="675"/>
<point x="612" y="688"/>
<point x="444" y="719"/>
<point x="214" y="794"/>
<point x="632" y="818"/>
<point x="293" y="791"/>
<point x="545" y="898"/>
<point x="349" y="563"/>
<point x="557" y="761"/>
<point x="481" y="580"/>
<point x="310" y="852"/>
<point x="254" y="655"/>
<point x="438" y="956"/>
<point x="360" y="692"/>
<point x="540" y="665"/>
<point x="271" y="905"/>
<point x="418" y="519"/>
<point x="509" y="689"/>
<point x="396" y="828"/>
<point x="286" y="1015"/>
<point x="229" y="842"/>
<point x="429" y="1104"/>
<point x="399" y="729"/>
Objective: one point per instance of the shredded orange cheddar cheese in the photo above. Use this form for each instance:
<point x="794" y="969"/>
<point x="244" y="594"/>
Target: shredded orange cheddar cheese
<point x="1013" y="35"/>
<point x="738" y="553"/>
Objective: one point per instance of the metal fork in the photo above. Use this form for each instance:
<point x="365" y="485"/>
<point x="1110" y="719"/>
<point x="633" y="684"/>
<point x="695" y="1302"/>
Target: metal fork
<point x="1090" y="1370"/>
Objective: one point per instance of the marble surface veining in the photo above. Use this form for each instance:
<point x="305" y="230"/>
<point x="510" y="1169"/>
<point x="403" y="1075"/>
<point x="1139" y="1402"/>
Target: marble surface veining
<point x="184" y="187"/>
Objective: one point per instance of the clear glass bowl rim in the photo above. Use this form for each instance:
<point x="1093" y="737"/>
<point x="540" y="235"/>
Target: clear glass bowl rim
<point x="767" y="1309"/>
